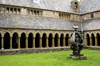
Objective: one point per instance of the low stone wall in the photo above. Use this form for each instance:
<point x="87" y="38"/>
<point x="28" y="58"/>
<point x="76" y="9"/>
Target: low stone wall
<point x="29" y="51"/>
<point x="92" y="47"/>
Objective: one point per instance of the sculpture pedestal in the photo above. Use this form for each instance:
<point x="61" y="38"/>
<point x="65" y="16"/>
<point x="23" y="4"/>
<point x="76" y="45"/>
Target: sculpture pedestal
<point x="80" y="57"/>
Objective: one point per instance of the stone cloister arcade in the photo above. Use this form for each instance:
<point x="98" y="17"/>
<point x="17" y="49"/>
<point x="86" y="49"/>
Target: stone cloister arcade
<point x="92" y="39"/>
<point x="33" y="39"/>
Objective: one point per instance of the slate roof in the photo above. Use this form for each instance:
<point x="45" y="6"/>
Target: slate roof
<point x="32" y="22"/>
<point x="91" y="24"/>
<point x="89" y="5"/>
<point x="58" y="5"/>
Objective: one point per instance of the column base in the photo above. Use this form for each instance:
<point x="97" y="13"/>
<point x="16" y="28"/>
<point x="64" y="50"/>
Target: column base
<point x="81" y="57"/>
<point x="2" y="48"/>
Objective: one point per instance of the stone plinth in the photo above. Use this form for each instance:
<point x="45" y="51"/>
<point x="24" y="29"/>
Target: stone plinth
<point x="81" y="57"/>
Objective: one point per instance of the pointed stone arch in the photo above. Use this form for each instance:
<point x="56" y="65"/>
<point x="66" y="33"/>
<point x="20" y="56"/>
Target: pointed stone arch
<point x="98" y="39"/>
<point x="15" y="40"/>
<point x="87" y="40"/>
<point x="93" y="39"/>
<point x="44" y="36"/>
<point x="23" y="40"/>
<point x="0" y="41"/>
<point x="37" y="40"/>
<point x="30" y="40"/>
<point x="56" y="39"/>
<point x="61" y="39"/>
<point x="50" y="40"/>
<point x="67" y="40"/>
<point x="6" y="40"/>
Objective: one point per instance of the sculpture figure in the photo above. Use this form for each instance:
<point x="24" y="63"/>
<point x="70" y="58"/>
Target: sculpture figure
<point x="76" y="43"/>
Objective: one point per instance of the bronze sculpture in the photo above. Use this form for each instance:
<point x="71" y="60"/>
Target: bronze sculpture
<point x="76" y="44"/>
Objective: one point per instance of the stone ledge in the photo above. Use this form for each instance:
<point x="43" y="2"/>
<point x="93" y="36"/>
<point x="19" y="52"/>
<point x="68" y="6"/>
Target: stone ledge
<point x="29" y="51"/>
<point x="78" y="57"/>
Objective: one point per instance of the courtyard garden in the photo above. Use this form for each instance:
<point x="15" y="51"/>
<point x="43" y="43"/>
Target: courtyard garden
<point x="51" y="59"/>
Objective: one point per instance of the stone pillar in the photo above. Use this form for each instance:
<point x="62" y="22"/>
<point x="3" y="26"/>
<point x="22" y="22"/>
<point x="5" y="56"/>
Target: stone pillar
<point x="63" y="41"/>
<point x="18" y="42"/>
<point x="10" y="42"/>
<point x="58" y="41"/>
<point x="26" y="42"/>
<point x="91" y="41"/>
<point x="68" y="41"/>
<point x="96" y="41"/>
<point x="33" y="42"/>
<point x="46" y="41"/>
<point x="40" y="44"/>
<point x="85" y="41"/>
<point x="2" y="43"/>
<point x="52" y="41"/>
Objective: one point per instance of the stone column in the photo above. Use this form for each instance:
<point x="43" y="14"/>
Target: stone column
<point x="91" y="41"/>
<point x="33" y="42"/>
<point x="63" y="41"/>
<point x="85" y="41"/>
<point x="68" y="41"/>
<point x="46" y="41"/>
<point x="96" y="41"/>
<point x="58" y="41"/>
<point x="18" y="42"/>
<point x="10" y="42"/>
<point x="2" y="43"/>
<point x="52" y="41"/>
<point x="40" y="44"/>
<point x="26" y="42"/>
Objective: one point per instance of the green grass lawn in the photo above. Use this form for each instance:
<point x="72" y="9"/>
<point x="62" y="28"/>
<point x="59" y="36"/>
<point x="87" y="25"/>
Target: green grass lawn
<point x="51" y="59"/>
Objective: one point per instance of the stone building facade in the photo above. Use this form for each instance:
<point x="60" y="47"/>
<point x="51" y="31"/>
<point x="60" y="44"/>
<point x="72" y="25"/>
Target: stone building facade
<point x="33" y="26"/>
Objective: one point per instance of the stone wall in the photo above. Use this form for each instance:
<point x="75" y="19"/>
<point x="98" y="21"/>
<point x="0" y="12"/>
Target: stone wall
<point x="28" y="51"/>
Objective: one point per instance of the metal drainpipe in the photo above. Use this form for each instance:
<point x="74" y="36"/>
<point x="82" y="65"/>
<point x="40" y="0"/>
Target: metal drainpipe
<point x="81" y="25"/>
